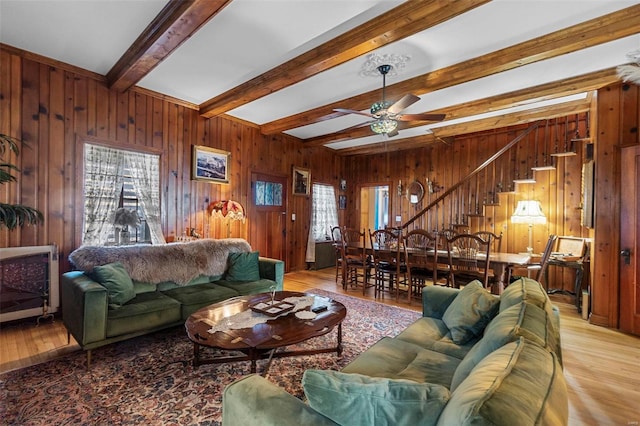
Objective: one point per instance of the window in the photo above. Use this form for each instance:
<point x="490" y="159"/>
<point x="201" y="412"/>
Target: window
<point x="324" y="215"/>
<point x="118" y="179"/>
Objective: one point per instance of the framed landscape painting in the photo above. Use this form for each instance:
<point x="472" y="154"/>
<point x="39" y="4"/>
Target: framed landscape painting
<point x="210" y="164"/>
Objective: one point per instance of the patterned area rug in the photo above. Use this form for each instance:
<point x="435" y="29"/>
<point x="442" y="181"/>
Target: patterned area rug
<point x="149" y="380"/>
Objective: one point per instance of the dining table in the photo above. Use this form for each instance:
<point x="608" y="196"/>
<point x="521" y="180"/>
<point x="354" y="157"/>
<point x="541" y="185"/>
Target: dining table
<point x="499" y="262"/>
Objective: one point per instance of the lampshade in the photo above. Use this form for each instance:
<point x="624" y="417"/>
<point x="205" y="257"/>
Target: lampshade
<point x="528" y="211"/>
<point x="229" y="209"/>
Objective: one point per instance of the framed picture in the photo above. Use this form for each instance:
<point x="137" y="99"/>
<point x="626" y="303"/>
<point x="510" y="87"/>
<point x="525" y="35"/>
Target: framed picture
<point x="301" y="181"/>
<point x="343" y="185"/>
<point x="342" y="202"/>
<point x="210" y="164"/>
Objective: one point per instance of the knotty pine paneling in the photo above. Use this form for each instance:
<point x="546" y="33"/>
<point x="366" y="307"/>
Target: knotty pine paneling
<point x="445" y="164"/>
<point x="54" y="109"/>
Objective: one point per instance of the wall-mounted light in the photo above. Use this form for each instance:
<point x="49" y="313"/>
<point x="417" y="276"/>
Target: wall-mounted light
<point x="228" y="210"/>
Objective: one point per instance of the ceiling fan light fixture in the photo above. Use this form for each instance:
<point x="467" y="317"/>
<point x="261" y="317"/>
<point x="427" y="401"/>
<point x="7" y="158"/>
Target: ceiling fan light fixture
<point x="384" y="126"/>
<point x="380" y="106"/>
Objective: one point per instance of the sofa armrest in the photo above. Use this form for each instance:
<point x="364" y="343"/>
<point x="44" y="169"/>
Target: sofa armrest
<point x="84" y="307"/>
<point x="436" y="299"/>
<point x="272" y="269"/>
<point x="253" y="400"/>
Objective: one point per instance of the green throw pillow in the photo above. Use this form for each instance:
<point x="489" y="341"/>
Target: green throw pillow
<point x="116" y="279"/>
<point x="356" y="399"/>
<point x="470" y="312"/>
<point x="243" y="267"/>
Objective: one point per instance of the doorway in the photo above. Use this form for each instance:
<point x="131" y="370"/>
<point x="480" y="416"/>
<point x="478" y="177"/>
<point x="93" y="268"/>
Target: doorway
<point x="374" y="207"/>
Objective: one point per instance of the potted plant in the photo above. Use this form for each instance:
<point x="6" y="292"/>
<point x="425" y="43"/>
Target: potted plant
<point x="14" y="215"/>
<point x="122" y="220"/>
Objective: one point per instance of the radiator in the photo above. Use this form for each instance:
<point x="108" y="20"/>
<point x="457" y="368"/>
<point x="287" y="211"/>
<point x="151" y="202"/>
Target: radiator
<point x="28" y="277"/>
<point x="325" y="255"/>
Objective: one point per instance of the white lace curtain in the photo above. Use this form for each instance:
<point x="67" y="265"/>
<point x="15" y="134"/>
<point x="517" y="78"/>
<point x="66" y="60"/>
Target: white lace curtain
<point x="104" y="169"/>
<point x="324" y="216"/>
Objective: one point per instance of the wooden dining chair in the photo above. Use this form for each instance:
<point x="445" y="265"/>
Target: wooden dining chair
<point x="421" y="258"/>
<point x="356" y="263"/>
<point x="495" y="241"/>
<point x="389" y="269"/>
<point x="469" y="260"/>
<point x="539" y="268"/>
<point x="336" y="237"/>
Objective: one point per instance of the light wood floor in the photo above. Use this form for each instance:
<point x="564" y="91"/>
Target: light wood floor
<point x="601" y="366"/>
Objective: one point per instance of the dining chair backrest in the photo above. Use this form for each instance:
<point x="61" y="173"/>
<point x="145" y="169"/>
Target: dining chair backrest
<point x="495" y="241"/>
<point x="444" y="235"/>
<point x="385" y="245"/>
<point x="546" y="255"/>
<point x="336" y="234"/>
<point x="417" y="244"/>
<point x="469" y="257"/>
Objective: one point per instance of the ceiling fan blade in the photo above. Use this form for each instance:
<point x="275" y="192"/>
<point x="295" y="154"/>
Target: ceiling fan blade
<point x="403" y="103"/>
<point x="352" y="111"/>
<point x="421" y="117"/>
<point x="357" y="126"/>
<point x="392" y="133"/>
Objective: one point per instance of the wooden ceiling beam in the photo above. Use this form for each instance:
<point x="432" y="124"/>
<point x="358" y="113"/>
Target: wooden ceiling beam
<point x="600" y="30"/>
<point x="175" y="23"/>
<point x="556" y="89"/>
<point x="523" y="117"/>
<point x="403" y="21"/>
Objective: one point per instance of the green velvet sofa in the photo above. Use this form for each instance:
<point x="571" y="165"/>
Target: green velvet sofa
<point x="472" y="359"/>
<point x="121" y="292"/>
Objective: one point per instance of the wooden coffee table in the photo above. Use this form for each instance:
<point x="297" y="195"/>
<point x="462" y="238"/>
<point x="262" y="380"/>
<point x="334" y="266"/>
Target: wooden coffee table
<point x="262" y="340"/>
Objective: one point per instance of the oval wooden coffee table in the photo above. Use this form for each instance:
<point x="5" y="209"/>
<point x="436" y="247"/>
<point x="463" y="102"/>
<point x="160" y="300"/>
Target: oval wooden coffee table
<point x="262" y="340"/>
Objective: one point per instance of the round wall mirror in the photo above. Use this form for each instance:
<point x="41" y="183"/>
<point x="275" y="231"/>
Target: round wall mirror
<point x="415" y="192"/>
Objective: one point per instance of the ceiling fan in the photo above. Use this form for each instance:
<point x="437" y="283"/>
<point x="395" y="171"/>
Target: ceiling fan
<point x="386" y="115"/>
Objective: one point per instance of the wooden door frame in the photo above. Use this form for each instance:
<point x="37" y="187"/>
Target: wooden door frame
<point x="358" y="207"/>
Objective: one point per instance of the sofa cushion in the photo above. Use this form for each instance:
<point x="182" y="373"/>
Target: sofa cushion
<point x="524" y="290"/>
<point x="469" y="313"/>
<point x="528" y="321"/>
<point x="518" y="384"/>
<point x="356" y="399"/>
<point x="146" y="311"/>
<point x="194" y="297"/>
<point x="244" y="288"/>
<point x="243" y="267"/>
<point x="432" y="333"/>
<point x="115" y="278"/>
<point x="395" y="359"/>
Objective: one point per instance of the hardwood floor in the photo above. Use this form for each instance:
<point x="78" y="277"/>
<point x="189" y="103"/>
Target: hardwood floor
<point x="601" y="365"/>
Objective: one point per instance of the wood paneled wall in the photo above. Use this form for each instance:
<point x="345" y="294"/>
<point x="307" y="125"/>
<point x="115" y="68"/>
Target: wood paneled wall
<point x="618" y="120"/>
<point x="54" y="108"/>
<point x="444" y="164"/>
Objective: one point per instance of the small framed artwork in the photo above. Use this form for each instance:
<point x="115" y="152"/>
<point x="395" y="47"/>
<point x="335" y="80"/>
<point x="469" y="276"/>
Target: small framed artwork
<point x="343" y="185"/>
<point x="301" y="181"/>
<point x="210" y="164"/>
<point x="342" y="202"/>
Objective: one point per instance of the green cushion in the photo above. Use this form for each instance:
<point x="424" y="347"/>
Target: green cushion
<point x="518" y="384"/>
<point x="354" y="399"/>
<point x="432" y="333"/>
<point x="243" y="267"/>
<point x="244" y="288"/>
<point x="469" y="313"/>
<point x="116" y="279"/>
<point x="528" y="321"/>
<point x="524" y="290"/>
<point x="144" y="312"/>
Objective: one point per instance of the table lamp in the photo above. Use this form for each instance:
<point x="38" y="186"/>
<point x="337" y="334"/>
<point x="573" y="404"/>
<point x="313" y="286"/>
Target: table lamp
<point x="529" y="212"/>
<point x="228" y="210"/>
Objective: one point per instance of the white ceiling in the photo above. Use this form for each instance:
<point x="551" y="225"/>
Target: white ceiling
<point x="250" y="37"/>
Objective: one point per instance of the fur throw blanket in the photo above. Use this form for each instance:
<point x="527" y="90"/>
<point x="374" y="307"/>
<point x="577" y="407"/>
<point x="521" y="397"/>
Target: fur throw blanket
<point x="177" y="262"/>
